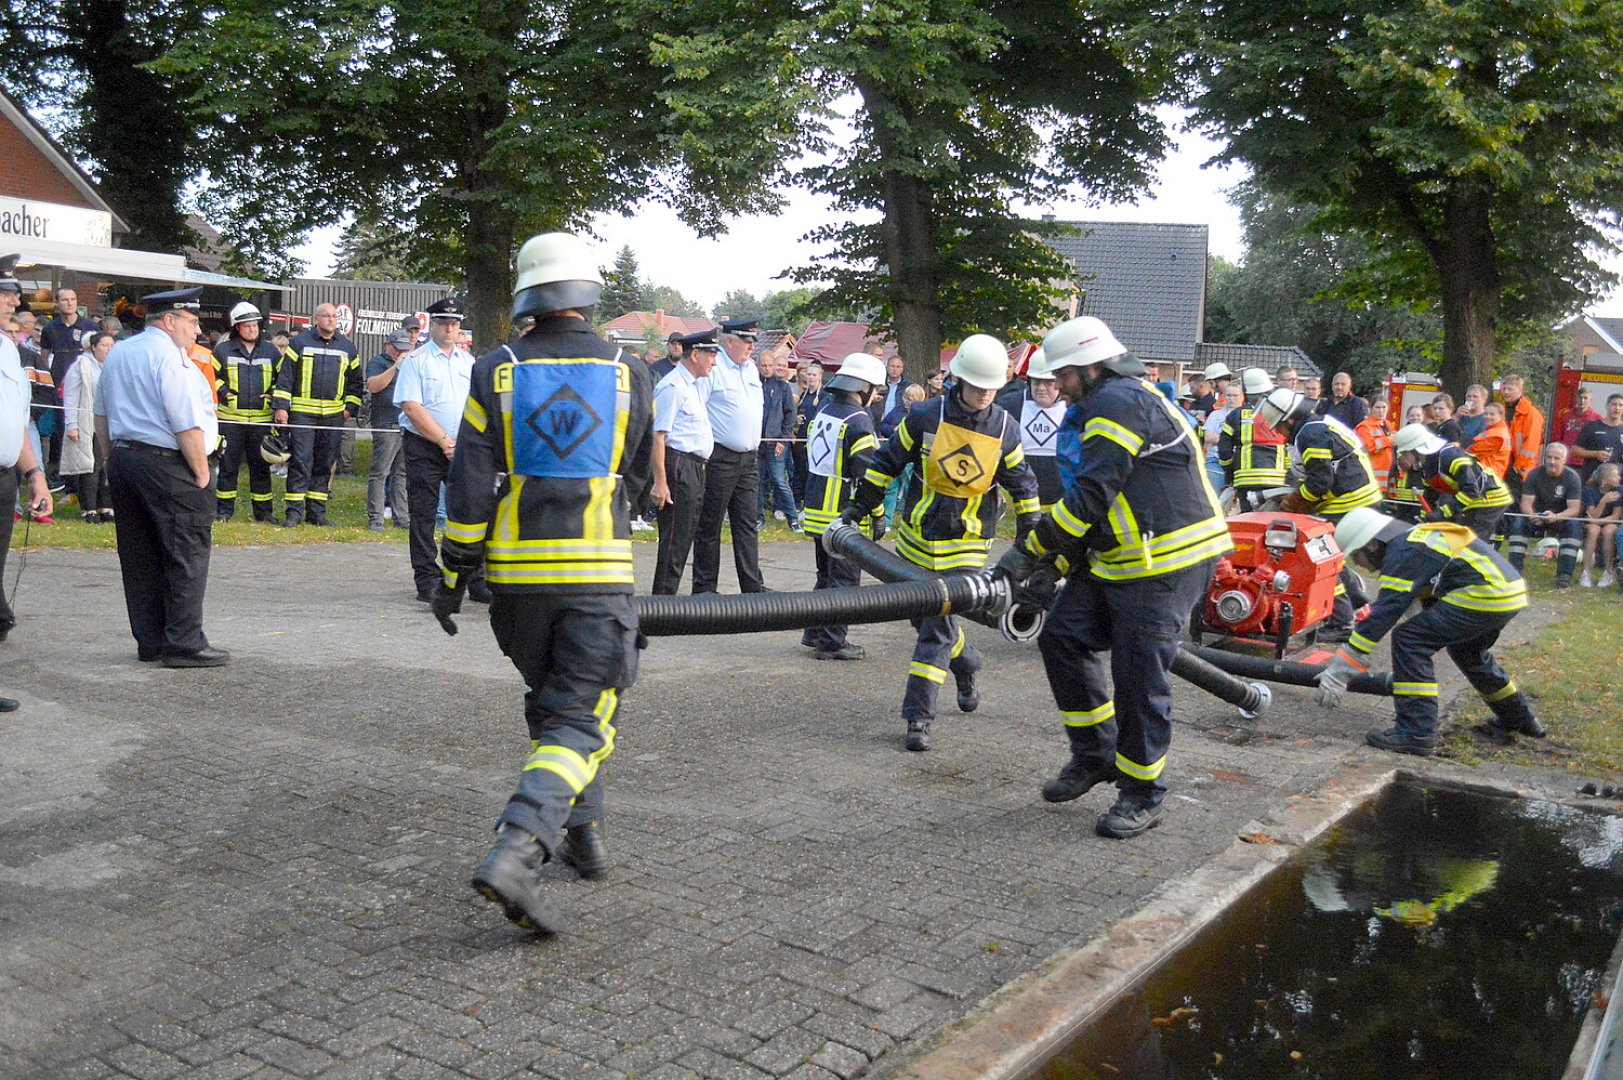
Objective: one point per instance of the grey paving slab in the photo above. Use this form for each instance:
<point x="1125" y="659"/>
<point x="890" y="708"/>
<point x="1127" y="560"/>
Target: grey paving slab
<point x="261" y="870"/>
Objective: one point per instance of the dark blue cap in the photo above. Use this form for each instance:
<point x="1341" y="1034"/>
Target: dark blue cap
<point x="175" y="300"/>
<point x="740" y="328"/>
<point x="8" y="274"/>
<point x="447" y="309"/>
<point x="704" y="339"/>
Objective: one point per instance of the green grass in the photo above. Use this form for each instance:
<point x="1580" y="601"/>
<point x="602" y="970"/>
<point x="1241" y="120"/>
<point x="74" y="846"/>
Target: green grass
<point x="1569" y="672"/>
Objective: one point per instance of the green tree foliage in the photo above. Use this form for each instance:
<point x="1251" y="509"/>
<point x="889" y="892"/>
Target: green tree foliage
<point x="962" y="109"/>
<point x="467" y="125"/>
<point x="788" y="309"/>
<point x="623" y="288"/>
<point x="1292" y="289"/>
<point x="1474" y="146"/>
<point x="671" y="302"/>
<point x="739" y="304"/>
<point x="81" y="65"/>
<point x="368" y="251"/>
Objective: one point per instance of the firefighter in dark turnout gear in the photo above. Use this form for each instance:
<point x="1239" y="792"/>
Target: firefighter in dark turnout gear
<point x="1337" y="476"/>
<point x="840" y="446"/>
<point x="1251" y="453"/>
<point x="566" y="422"/>
<point x="1466" y="492"/>
<point x="244" y="375"/>
<point x="317" y="389"/>
<point x="1468" y="594"/>
<point x="960" y="445"/>
<point x="1139" y="533"/>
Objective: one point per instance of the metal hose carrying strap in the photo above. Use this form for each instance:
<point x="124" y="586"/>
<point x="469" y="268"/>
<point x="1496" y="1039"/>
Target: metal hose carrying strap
<point x="847" y="542"/>
<point x="1376" y="683"/>
<point x="710" y="613"/>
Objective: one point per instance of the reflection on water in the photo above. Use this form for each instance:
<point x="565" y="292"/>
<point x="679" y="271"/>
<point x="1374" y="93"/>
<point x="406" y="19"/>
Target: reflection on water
<point x="1433" y="935"/>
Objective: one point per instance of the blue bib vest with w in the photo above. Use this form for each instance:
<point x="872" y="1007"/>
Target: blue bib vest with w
<point x="564" y="418"/>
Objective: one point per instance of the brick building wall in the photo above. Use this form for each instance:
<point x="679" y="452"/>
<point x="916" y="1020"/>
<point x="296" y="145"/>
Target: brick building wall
<point x="26" y="173"/>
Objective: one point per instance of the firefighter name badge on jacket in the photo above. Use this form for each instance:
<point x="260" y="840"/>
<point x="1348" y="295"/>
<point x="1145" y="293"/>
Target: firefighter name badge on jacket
<point x="961" y="463"/>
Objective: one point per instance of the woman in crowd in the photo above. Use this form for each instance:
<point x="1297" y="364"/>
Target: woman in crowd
<point x="84" y="454"/>
<point x="1602" y="510"/>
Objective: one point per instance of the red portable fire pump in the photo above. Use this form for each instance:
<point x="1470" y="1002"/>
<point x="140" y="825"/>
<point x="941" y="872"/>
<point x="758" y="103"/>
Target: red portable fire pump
<point x="1279" y="583"/>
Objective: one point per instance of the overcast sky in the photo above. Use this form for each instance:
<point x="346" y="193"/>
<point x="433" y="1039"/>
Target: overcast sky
<point x="755" y="250"/>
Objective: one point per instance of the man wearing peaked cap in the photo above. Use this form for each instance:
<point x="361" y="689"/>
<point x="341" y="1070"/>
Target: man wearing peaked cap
<point x="430" y="391"/>
<point x="17" y="457"/>
<point x="681" y="448"/>
<point x="158" y="412"/>
<point x="732" y="483"/>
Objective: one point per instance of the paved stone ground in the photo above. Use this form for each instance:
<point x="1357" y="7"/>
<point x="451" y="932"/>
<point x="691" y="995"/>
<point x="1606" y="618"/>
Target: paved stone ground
<point x="262" y="870"/>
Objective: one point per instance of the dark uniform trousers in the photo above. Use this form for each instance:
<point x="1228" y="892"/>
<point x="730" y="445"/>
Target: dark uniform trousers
<point x="8" y="499"/>
<point x="1139" y="622"/>
<point x="1467" y="635"/>
<point x="313" y="441"/>
<point x="732" y="490"/>
<point x="1568" y="531"/>
<point x="1484" y="521"/>
<point x="426" y="469"/>
<point x="164" y="523"/>
<point x="941" y="648"/>
<point x="832" y="573"/>
<point x="678" y="519"/>
<point x="242" y="444"/>
<point x="577" y="653"/>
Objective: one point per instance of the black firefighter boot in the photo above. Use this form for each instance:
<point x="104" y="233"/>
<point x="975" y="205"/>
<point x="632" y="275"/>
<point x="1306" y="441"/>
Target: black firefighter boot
<point x="295" y="516"/>
<point x="1514" y="715"/>
<point x="224" y="509"/>
<point x="1082" y="773"/>
<point x="509" y="878"/>
<point x="969" y="698"/>
<point x="583" y="849"/>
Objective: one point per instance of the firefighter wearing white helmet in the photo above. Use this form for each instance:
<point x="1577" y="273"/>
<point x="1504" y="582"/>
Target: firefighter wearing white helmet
<point x="840" y="445"/>
<point x="1465" y="491"/>
<point x="961" y="446"/>
<point x="1138" y="532"/>
<point x="1039" y="410"/>
<point x="245" y="368"/>
<point x="564" y="423"/>
<point x="1468" y="594"/>
<point x="1337" y="477"/>
<point x="1251" y="452"/>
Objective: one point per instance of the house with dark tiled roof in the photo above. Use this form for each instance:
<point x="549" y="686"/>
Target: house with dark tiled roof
<point x="1596" y="335"/>
<point x="1146" y="280"/>
<point x="635" y="327"/>
<point x="1270" y="358"/>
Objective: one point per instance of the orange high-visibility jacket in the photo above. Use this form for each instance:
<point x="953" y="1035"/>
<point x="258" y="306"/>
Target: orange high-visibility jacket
<point x="1377" y="440"/>
<point x="1526" y="434"/>
<point x="1492" y="448"/>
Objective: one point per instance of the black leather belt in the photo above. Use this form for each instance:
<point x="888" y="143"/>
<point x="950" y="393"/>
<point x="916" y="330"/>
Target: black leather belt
<point x="690" y="454"/>
<point x="145" y="448"/>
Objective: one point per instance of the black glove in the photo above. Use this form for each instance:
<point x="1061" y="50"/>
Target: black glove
<point x="852" y="514"/>
<point x="877" y="528"/>
<point x="447" y="602"/>
<point x="1017" y="565"/>
<point x="1041" y="587"/>
<point x="1023" y="525"/>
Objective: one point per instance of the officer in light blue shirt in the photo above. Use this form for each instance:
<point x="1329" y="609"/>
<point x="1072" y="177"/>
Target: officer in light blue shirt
<point x="157" y="410"/>
<point x="17" y="455"/>
<point x="431" y="390"/>
<point x="683" y="443"/>
<point x="732" y="483"/>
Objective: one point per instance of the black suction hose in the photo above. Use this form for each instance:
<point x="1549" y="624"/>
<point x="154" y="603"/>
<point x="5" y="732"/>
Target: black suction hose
<point x="710" y="613"/>
<point x="847" y="542"/>
<point x="1376" y="683"/>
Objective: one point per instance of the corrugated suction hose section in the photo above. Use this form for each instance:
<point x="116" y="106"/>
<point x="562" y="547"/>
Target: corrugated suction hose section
<point x="1376" y="683"/>
<point x="751" y="613"/>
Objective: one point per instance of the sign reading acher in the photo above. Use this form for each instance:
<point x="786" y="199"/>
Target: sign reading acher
<point x="30" y="219"/>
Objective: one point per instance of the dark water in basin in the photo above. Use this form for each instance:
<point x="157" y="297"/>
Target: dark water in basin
<point x="1435" y="934"/>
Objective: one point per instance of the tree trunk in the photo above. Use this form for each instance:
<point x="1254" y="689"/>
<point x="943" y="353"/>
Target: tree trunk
<point x="1468" y="269"/>
<point x="908" y="233"/>
<point x="489" y="248"/>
